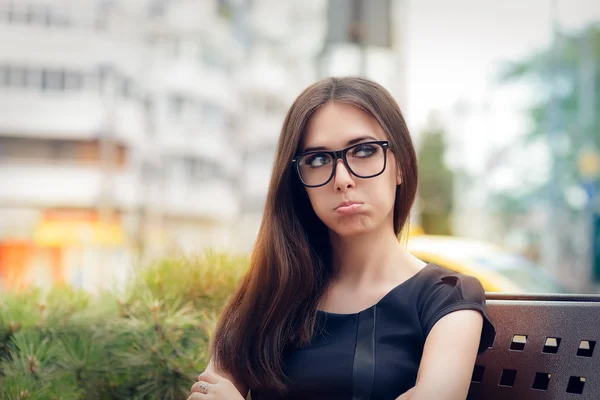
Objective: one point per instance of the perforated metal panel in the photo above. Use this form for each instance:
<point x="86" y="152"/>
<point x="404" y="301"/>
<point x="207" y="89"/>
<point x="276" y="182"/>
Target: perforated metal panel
<point x="544" y="359"/>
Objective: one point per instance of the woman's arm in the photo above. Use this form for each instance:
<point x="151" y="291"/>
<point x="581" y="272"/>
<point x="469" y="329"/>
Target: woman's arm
<point x="448" y="358"/>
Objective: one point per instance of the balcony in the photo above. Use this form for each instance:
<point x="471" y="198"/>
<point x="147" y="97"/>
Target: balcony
<point x="68" y="116"/>
<point x="64" y="185"/>
<point x="53" y="116"/>
<point x="262" y="130"/>
<point x="196" y="80"/>
<point x="67" y="47"/>
<point x="209" y="200"/>
<point x="175" y="142"/>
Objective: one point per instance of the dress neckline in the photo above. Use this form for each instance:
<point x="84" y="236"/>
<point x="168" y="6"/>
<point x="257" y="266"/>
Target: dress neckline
<point x="388" y="294"/>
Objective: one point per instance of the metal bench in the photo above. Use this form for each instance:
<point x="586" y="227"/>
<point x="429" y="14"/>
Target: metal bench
<point x="546" y="347"/>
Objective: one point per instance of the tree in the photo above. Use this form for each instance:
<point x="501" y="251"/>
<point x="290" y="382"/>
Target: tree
<point x="436" y="181"/>
<point x="562" y="75"/>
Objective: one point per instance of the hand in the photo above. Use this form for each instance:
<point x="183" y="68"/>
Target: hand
<point x="406" y="395"/>
<point x="211" y="386"/>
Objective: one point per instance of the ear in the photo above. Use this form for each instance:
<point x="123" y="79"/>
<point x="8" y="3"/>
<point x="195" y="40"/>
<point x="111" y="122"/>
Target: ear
<point x="398" y="177"/>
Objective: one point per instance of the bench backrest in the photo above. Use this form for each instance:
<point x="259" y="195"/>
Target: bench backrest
<point x="546" y="347"/>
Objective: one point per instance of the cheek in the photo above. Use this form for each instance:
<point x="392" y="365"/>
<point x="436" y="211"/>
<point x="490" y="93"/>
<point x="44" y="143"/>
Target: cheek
<point x="318" y="200"/>
<point x="383" y="195"/>
<point x="393" y="170"/>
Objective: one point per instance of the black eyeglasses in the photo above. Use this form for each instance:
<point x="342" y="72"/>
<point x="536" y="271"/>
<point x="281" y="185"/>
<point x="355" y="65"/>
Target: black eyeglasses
<point x="364" y="160"/>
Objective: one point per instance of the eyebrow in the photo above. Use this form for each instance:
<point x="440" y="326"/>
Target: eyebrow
<point x="349" y="143"/>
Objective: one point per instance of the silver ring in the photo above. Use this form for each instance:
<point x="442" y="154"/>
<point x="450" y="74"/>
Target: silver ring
<point x="204" y="387"/>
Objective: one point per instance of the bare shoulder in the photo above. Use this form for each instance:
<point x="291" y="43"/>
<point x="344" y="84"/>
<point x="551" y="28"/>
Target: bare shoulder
<point x="414" y="265"/>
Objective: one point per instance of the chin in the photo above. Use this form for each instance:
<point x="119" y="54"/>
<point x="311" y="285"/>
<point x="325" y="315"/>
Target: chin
<point x="352" y="227"/>
<point x="352" y="233"/>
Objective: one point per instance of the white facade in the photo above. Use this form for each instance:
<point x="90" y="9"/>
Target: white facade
<point x="165" y="113"/>
<point x="124" y="108"/>
<point x="190" y="66"/>
<point x="65" y="86"/>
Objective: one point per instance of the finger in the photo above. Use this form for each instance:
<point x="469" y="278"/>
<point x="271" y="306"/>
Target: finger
<point x="197" y="396"/>
<point x="209" y="376"/>
<point x="196" y="387"/>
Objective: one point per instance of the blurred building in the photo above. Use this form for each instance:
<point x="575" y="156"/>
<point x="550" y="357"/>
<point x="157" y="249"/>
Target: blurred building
<point x="194" y="117"/>
<point x="280" y="61"/>
<point x="302" y="42"/>
<point x="116" y="134"/>
<point x="134" y="128"/>
<point x="367" y="38"/>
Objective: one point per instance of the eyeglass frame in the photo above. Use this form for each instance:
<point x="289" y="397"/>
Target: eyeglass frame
<point x="341" y="155"/>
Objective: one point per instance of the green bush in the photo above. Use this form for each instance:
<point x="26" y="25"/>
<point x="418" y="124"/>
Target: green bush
<point x="147" y="342"/>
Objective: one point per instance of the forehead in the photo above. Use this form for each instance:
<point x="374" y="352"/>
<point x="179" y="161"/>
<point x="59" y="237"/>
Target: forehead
<point x="335" y="124"/>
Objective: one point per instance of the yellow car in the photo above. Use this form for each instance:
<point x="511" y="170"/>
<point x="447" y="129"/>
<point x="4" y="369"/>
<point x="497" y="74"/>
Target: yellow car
<point x="496" y="269"/>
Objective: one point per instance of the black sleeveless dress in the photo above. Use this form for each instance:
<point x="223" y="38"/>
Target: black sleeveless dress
<point x="375" y="354"/>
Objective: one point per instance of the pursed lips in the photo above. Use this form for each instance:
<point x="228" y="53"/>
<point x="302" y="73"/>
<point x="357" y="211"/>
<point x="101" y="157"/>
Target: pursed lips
<point x="347" y="206"/>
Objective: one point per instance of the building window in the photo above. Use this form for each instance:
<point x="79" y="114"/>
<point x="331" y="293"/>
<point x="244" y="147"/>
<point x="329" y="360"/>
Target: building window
<point x="169" y="47"/>
<point x="209" y="169"/>
<point x="176" y="104"/>
<point x="213" y="117"/>
<point x="46" y="79"/>
<point x="53" y="80"/>
<point x="16" y="12"/>
<point x="189" y="165"/>
<point x="73" y="80"/>
<point x="214" y="58"/>
<point x="149" y="105"/>
<point x="55" y="151"/>
<point x="4" y="75"/>
<point x="198" y="170"/>
<point x="184" y="110"/>
<point x="103" y="73"/>
<point x="156" y="9"/>
<point x="33" y="78"/>
<point x="195" y="170"/>
<point x="127" y="88"/>
<point x="58" y="18"/>
<point x="39" y="15"/>
<point x="17" y="77"/>
<point x="150" y="116"/>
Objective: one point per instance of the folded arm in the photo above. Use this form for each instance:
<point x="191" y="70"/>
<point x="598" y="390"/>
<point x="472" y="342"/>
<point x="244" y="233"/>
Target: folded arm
<point x="448" y="358"/>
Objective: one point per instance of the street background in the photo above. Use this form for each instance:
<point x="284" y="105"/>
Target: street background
<point x="132" y="130"/>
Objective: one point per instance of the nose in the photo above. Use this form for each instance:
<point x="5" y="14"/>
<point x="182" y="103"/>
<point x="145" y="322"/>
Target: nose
<point x="342" y="179"/>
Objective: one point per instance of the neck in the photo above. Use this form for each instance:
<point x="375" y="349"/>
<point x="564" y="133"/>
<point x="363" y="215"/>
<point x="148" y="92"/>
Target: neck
<point x="372" y="257"/>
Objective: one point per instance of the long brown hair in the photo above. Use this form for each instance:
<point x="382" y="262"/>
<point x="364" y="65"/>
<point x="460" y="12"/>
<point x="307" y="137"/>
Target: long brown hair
<point x="276" y="303"/>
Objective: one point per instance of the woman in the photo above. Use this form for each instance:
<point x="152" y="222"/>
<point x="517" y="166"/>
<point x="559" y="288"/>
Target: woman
<point x="333" y="306"/>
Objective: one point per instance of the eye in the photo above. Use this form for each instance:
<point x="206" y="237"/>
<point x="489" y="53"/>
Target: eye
<point x="316" y="160"/>
<point x="364" y="150"/>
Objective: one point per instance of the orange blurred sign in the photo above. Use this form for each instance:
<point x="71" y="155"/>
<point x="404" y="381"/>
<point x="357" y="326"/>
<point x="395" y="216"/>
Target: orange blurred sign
<point x="78" y="228"/>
